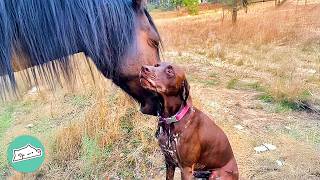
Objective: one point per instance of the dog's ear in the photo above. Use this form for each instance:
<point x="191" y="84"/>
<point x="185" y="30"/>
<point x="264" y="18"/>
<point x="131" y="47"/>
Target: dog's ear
<point x="139" y="4"/>
<point x="184" y="93"/>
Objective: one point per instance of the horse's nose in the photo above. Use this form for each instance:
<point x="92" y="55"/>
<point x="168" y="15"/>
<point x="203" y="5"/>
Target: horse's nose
<point x="145" y="69"/>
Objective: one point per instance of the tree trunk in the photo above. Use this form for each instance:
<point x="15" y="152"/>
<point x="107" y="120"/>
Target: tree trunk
<point x="234" y="12"/>
<point x="234" y="16"/>
<point x="222" y="19"/>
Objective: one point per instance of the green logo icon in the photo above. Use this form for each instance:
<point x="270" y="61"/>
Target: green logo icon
<point x="25" y="154"/>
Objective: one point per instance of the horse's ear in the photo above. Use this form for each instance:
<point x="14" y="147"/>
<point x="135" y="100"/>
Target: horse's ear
<point x="139" y="4"/>
<point x="185" y="89"/>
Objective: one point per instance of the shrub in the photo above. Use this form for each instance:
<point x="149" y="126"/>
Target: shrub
<point x="192" y="6"/>
<point x="177" y="3"/>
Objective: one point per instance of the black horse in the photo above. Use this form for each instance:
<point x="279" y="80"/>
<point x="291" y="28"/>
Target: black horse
<point x="118" y="35"/>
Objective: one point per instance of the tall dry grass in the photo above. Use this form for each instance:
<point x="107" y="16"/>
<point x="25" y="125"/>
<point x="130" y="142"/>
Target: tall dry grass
<point x="114" y="140"/>
<point x="256" y="27"/>
<point x="111" y="139"/>
<point x="268" y="41"/>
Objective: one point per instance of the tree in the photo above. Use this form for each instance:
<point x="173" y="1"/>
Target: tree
<point x="192" y="6"/>
<point x="234" y="6"/>
<point x="234" y="12"/>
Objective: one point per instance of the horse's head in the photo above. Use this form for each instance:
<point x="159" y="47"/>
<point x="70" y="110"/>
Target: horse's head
<point x="145" y="50"/>
<point x="119" y="36"/>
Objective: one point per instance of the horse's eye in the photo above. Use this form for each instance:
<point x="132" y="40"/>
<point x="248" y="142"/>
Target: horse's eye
<point x="154" y="43"/>
<point x="156" y="65"/>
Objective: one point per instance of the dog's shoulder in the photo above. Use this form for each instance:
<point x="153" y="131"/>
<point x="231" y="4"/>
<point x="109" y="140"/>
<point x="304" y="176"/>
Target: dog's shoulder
<point x="202" y="117"/>
<point x="207" y="124"/>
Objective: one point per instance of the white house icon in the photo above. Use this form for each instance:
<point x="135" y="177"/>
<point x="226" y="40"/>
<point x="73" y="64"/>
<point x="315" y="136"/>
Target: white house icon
<point x="25" y="153"/>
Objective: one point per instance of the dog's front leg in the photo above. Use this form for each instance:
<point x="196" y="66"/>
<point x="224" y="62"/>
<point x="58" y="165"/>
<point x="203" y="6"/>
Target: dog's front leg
<point x="170" y="168"/>
<point x="186" y="173"/>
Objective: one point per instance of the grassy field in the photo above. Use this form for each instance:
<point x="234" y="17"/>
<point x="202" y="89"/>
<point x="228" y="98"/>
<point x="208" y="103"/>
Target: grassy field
<point x="263" y="74"/>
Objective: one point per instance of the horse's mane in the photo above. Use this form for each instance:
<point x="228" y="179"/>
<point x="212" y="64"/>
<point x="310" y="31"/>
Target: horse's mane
<point x="43" y="30"/>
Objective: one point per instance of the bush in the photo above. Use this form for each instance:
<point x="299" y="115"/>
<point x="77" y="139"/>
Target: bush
<point x="177" y="3"/>
<point x="192" y="6"/>
<point x="163" y="5"/>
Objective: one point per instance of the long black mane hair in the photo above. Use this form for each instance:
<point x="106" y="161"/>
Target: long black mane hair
<point x="36" y="32"/>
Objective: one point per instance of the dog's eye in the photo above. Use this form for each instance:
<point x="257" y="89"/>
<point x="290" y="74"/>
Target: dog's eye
<point x="156" y="65"/>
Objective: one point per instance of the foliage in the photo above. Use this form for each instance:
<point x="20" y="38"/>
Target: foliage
<point x="226" y="2"/>
<point x="163" y="4"/>
<point x="177" y="3"/>
<point x="192" y="6"/>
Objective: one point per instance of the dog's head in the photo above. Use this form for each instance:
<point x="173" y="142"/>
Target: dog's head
<point x="165" y="79"/>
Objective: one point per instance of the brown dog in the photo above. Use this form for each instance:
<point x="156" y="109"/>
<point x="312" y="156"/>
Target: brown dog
<point x="188" y="138"/>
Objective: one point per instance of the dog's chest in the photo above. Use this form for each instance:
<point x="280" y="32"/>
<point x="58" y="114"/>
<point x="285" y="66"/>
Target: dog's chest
<point x="168" y="143"/>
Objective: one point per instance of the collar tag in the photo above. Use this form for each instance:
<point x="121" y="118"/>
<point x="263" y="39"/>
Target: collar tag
<point x="172" y="119"/>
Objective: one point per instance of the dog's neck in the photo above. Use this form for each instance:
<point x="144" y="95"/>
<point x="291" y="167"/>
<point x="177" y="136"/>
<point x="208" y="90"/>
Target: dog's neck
<point x="171" y="105"/>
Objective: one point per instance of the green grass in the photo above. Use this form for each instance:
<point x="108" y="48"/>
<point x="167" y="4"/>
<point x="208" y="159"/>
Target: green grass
<point x="6" y="118"/>
<point x="211" y="81"/>
<point x="305" y="95"/>
<point x="213" y="75"/>
<point x="91" y="155"/>
<point x="284" y="105"/>
<point x="310" y="47"/>
<point x="126" y="123"/>
<point x="242" y="85"/>
<point x="232" y="83"/>
<point x="43" y="126"/>
<point x="90" y="150"/>
<point x="266" y="98"/>
<point x="281" y="105"/>
<point x="79" y="100"/>
<point x="310" y="134"/>
<point x="256" y="86"/>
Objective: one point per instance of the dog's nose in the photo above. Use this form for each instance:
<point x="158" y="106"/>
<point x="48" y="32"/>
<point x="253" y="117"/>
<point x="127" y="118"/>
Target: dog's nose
<point x="145" y="69"/>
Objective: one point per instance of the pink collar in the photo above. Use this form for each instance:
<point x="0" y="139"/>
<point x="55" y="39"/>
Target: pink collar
<point x="177" y="117"/>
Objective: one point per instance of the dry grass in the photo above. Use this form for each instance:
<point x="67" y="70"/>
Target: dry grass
<point x="258" y="26"/>
<point x="67" y="143"/>
<point x="113" y="140"/>
<point x="99" y="132"/>
<point x="277" y="43"/>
